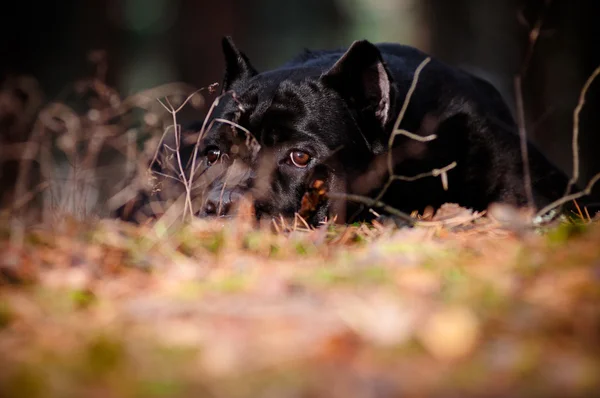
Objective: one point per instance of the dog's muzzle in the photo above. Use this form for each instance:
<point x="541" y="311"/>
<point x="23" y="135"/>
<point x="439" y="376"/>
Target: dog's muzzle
<point x="221" y="201"/>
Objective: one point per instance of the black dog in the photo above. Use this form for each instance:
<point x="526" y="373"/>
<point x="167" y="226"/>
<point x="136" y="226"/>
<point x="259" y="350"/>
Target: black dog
<point x="328" y="116"/>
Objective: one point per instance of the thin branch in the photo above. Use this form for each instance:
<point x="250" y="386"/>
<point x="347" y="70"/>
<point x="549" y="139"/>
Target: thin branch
<point x="177" y="132"/>
<point x="414" y="136"/>
<point x="432" y="173"/>
<point x="397" y="131"/>
<point x="565" y="199"/>
<point x="373" y="203"/>
<point x="201" y="134"/>
<point x="236" y="125"/>
<point x="575" y="142"/>
<point x="534" y="35"/>
<point x="523" y="141"/>
<point x="30" y="195"/>
<point x="302" y="220"/>
<point x="370" y="202"/>
<point x="227" y="174"/>
<point x="408" y="96"/>
<point x="167" y="176"/>
<point x="189" y="97"/>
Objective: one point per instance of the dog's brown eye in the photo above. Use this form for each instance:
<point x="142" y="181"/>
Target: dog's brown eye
<point x="212" y="155"/>
<point x="299" y="158"/>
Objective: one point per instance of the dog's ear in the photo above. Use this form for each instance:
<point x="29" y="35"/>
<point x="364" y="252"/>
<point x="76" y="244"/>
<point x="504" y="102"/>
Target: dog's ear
<point x="237" y="65"/>
<point x="362" y="78"/>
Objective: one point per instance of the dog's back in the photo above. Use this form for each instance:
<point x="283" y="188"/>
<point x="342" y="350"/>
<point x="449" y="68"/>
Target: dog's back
<point x="446" y="93"/>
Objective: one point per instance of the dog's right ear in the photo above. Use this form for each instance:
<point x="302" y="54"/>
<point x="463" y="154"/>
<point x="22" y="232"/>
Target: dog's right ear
<point x="237" y="65"/>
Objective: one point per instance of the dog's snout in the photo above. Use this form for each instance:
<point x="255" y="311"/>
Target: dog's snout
<point x="212" y="208"/>
<point x="221" y="202"/>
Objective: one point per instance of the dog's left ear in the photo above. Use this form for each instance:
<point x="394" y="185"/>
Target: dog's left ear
<point x="361" y="77"/>
<point x="237" y="65"/>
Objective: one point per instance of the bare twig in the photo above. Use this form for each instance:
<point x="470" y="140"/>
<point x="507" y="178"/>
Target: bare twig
<point x="236" y="125"/>
<point x="370" y="202"/>
<point x="587" y="213"/>
<point x="567" y="198"/>
<point x="302" y="220"/>
<point x="203" y="130"/>
<point x="523" y="141"/>
<point x="177" y="133"/>
<point x="414" y="136"/>
<point x="168" y="176"/>
<point x="396" y="131"/>
<point x="409" y="94"/>
<point x="575" y="142"/>
<point x="534" y="35"/>
<point x="578" y="209"/>
<point x="29" y="154"/>
<point x="158" y="146"/>
<point x="30" y="195"/>
<point x="432" y="173"/>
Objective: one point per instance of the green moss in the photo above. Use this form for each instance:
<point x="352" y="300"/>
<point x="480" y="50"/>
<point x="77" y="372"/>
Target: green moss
<point x="103" y="354"/>
<point x="274" y="249"/>
<point x="6" y="314"/>
<point x="160" y="388"/>
<point x="82" y="298"/>
<point x="24" y="381"/>
<point x="455" y="284"/>
<point x="304" y="248"/>
<point x="231" y="284"/>
<point x="189" y="290"/>
<point x="565" y="232"/>
<point x="215" y="242"/>
<point x="253" y="241"/>
<point x="348" y="275"/>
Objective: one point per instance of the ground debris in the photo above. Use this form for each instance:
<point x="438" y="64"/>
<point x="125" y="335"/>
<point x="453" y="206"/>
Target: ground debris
<point x="225" y="310"/>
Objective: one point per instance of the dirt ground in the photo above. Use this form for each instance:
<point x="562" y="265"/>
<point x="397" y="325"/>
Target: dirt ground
<point x="222" y="309"/>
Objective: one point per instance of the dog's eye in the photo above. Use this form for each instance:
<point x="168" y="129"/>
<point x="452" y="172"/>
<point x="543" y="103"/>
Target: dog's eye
<point x="212" y="155"/>
<point x="299" y="158"/>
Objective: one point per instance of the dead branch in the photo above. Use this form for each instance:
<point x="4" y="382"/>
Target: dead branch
<point x="370" y="202"/>
<point x="432" y="173"/>
<point x="414" y="136"/>
<point x="177" y="134"/>
<point x="397" y="131"/>
<point x="576" y="114"/>
<point x="523" y="141"/>
<point x="201" y="134"/>
<point x="533" y="37"/>
<point x="177" y="150"/>
<point x="567" y="198"/>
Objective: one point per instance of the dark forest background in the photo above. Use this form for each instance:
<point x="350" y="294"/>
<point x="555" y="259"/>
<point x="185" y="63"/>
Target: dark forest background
<point x="151" y="42"/>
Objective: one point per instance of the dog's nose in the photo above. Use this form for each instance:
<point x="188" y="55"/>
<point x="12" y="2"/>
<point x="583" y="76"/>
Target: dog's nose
<point x="220" y="203"/>
<point x="212" y="208"/>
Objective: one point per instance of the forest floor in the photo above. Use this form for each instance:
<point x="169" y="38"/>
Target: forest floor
<point x="222" y="309"/>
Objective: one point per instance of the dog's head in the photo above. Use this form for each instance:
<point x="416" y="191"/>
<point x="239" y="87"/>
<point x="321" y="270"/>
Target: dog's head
<point x="273" y="134"/>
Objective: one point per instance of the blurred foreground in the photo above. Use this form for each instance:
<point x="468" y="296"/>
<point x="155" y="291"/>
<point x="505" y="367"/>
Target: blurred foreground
<point x="213" y="310"/>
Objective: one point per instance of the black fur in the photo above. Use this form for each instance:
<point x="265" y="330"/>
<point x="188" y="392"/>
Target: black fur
<point x="340" y="107"/>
